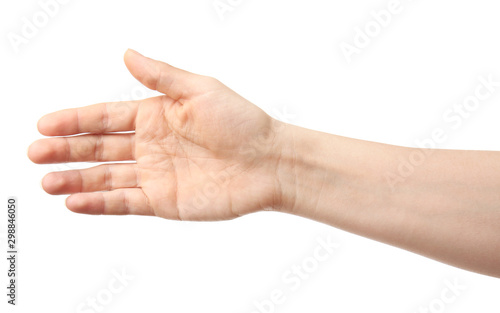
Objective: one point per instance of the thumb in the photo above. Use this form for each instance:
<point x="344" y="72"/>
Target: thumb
<point x="160" y="76"/>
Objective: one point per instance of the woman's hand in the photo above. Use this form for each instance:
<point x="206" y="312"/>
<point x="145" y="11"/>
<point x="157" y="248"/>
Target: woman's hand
<point x="201" y="151"/>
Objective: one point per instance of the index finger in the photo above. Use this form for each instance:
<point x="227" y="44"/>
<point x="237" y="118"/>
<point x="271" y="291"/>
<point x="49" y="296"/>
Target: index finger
<point x="96" y="118"/>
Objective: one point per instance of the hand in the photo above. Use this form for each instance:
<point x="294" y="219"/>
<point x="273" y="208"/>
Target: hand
<point x="201" y="151"/>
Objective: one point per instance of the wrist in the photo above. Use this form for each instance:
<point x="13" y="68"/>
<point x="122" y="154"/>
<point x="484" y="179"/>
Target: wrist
<point x="304" y="170"/>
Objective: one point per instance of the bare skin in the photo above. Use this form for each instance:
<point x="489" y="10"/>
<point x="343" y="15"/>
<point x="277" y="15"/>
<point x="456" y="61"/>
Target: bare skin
<point x="202" y="152"/>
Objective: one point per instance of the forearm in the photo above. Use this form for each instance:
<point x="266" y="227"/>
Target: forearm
<point x="447" y="208"/>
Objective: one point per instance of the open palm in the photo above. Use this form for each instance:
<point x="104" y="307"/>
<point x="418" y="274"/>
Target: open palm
<point x="201" y="151"/>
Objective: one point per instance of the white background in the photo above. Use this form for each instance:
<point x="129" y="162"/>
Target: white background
<point x="284" y="56"/>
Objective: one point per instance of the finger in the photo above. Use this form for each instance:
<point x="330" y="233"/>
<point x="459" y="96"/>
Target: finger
<point x="84" y="148"/>
<point x="116" y="202"/>
<point x="103" y="177"/>
<point x="160" y="76"/>
<point x="96" y="118"/>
